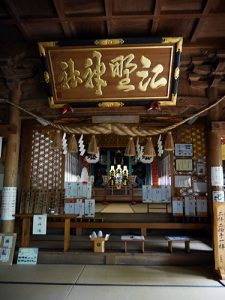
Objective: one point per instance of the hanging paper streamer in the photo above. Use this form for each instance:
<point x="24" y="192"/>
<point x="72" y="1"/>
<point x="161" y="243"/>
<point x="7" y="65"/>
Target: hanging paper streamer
<point x="140" y="151"/>
<point x="81" y="145"/>
<point x="160" y="147"/>
<point x="64" y="143"/>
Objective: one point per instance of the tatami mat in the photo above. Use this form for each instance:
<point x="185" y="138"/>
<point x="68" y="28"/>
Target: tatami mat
<point x="145" y="293"/>
<point x="129" y="208"/>
<point x="35" y="292"/>
<point x="41" y="273"/>
<point x="62" y="282"/>
<point x="118" y="208"/>
<point x="147" y="275"/>
<point x="99" y="207"/>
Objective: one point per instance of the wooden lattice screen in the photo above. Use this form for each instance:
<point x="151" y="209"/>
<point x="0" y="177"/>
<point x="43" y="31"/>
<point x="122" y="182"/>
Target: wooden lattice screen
<point x="46" y="163"/>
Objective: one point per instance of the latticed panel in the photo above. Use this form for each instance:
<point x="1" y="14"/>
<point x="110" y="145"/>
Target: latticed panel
<point x="46" y="163"/>
<point x="196" y="136"/>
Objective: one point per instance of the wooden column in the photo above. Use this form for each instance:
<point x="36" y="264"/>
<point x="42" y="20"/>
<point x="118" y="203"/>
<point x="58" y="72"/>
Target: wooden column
<point x="214" y="113"/>
<point x="215" y="166"/>
<point x="12" y="150"/>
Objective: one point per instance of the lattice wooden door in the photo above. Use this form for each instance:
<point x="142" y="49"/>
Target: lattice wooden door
<point x="46" y="163"/>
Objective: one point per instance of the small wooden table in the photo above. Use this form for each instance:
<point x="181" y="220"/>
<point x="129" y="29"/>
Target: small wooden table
<point x="172" y="239"/>
<point x="133" y="238"/>
<point x="26" y="226"/>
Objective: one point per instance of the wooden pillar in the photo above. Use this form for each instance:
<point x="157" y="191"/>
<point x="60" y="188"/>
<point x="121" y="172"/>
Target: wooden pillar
<point x="12" y="156"/>
<point x="216" y="186"/>
<point x="214" y="113"/>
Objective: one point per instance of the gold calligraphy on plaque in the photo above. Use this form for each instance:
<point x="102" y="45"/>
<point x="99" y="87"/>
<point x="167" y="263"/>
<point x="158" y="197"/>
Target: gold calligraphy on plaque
<point x="131" y="73"/>
<point x="120" y="66"/>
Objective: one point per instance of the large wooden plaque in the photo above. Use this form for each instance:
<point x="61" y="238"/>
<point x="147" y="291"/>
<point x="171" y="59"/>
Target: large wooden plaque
<point x="112" y="72"/>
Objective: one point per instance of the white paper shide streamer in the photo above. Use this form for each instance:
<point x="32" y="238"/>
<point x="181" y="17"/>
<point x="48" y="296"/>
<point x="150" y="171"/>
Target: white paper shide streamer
<point x="160" y="147"/>
<point x="64" y="144"/>
<point x="81" y="145"/>
<point x="140" y="157"/>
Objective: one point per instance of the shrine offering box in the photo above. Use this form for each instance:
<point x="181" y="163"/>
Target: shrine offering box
<point x="99" y="243"/>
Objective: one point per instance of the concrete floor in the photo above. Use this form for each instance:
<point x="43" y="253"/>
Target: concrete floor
<point x="67" y="282"/>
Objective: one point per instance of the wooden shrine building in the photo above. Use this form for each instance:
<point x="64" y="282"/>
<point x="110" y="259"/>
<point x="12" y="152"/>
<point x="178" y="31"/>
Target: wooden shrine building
<point x="112" y="117"/>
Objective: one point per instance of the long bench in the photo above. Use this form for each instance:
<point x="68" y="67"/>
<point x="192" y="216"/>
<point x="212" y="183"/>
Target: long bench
<point x="68" y="222"/>
<point x="64" y="220"/>
<point x="141" y="226"/>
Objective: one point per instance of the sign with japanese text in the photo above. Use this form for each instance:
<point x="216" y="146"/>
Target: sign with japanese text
<point x="112" y="73"/>
<point x="219" y="235"/>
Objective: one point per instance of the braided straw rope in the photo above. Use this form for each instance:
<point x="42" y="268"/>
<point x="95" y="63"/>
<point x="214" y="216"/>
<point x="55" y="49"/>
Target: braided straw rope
<point x="118" y="129"/>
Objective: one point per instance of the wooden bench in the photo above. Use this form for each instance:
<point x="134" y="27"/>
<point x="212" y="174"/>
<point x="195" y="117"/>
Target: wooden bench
<point x="26" y="226"/>
<point x="79" y="226"/>
<point x="133" y="238"/>
<point x="172" y="239"/>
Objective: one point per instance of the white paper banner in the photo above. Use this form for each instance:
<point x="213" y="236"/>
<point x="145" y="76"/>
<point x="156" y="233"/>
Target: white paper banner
<point x="39" y="224"/>
<point x="218" y="196"/>
<point x="217" y="176"/>
<point x="8" y="205"/>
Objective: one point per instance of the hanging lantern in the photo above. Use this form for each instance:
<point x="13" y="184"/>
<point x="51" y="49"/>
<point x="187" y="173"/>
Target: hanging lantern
<point x="149" y="149"/>
<point x="72" y="144"/>
<point x="92" y="147"/>
<point x="130" y="149"/>
<point x="169" y="144"/>
<point x="57" y="140"/>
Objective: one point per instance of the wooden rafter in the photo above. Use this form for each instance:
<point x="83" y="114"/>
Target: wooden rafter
<point x="200" y="22"/>
<point x="108" y="12"/>
<point x="12" y="10"/>
<point x="59" y="6"/>
<point x="156" y="18"/>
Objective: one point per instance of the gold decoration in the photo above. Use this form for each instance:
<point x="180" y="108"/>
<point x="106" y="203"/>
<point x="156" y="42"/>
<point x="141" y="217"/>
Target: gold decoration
<point x="43" y="45"/>
<point x="57" y="140"/>
<point x="174" y="40"/>
<point x="169" y="103"/>
<point x="53" y="105"/>
<point x="92" y="147"/>
<point x="176" y="73"/>
<point x="46" y="77"/>
<point x="169" y="144"/>
<point x="149" y="149"/>
<point x="109" y="42"/>
<point x="72" y="144"/>
<point x="111" y="104"/>
<point x="130" y="149"/>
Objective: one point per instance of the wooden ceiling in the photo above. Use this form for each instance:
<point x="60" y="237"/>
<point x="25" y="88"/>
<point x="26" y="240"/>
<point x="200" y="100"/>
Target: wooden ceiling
<point x="200" y="22"/>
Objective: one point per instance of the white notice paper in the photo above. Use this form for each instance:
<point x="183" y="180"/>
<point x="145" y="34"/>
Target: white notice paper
<point x="27" y="256"/>
<point x="183" y="181"/>
<point x="8" y="205"/>
<point x="39" y="224"/>
<point x="178" y="207"/>
<point x="218" y="196"/>
<point x="217" y="176"/>
<point x="89" y="208"/>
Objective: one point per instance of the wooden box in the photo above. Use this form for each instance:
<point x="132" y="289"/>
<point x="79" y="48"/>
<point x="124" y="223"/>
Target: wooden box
<point x="99" y="244"/>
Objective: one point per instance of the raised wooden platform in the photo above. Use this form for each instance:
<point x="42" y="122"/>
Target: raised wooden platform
<point x="156" y="251"/>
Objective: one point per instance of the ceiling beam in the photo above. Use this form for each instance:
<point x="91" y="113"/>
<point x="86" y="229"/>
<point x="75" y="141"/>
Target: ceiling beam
<point x="200" y="22"/>
<point x="108" y="13"/>
<point x="59" y="6"/>
<point x="156" y="18"/>
<point x="12" y="10"/>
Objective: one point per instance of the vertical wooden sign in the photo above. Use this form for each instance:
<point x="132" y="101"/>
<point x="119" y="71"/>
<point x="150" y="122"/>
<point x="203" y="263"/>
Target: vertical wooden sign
<point x="219" y="237"/>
